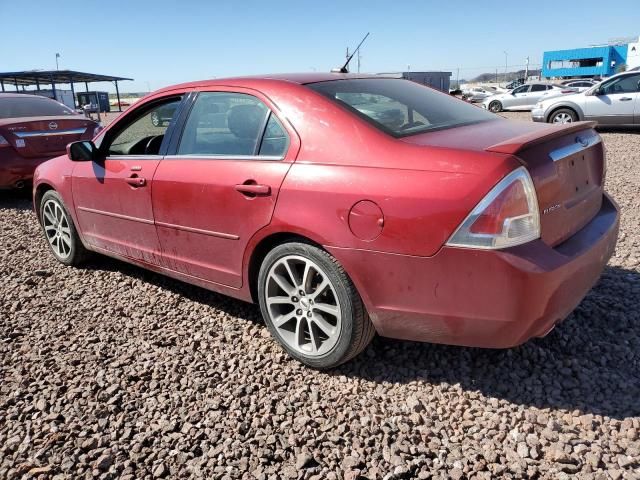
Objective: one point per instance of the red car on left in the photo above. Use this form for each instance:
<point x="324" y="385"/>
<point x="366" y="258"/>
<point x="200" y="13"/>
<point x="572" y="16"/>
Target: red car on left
<point x="34" y="129"/>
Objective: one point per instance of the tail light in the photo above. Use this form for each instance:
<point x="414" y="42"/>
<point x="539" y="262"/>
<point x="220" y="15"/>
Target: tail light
<point x="3" y="142"/>
<point x="507" y="216"/>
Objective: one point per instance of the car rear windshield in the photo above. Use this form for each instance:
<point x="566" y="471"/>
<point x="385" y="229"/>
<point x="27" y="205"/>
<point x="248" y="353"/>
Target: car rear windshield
<point x="401" y="107"/>
<point x="16" y="107"/>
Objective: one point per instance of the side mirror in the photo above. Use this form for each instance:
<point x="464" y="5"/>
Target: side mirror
<point x="82" y="151"/>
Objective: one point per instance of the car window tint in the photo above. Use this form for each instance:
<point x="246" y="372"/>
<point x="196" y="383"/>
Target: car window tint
<point x="522" y="89"/>
<point x="275" y="139"/>
<point x="223" y="123"/>
<point x="539" y="88"/>
<point x="144" y="135"/>
<point x="32" y="106"/>
<point x="626" y="84"/>
<point x="400" y="107"/>
<point x="385" y="110"/>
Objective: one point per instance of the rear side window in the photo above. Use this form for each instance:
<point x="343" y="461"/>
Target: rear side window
<point x="32" y="106"/>
<point x="539" y="88"/>
<point x="232" y="124"/>
<point x="400" y="107"/>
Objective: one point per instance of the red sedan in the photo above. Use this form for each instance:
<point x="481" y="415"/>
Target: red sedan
<point x="344" y="205"/>
<point x="34" y="129"/>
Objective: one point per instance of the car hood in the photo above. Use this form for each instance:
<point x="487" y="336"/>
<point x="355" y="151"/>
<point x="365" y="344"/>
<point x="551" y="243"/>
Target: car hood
<point x="571" y="97"/>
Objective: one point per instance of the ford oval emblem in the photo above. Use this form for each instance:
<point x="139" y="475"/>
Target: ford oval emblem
<point x="53" y="125"/>
<point x="582" y="141"/>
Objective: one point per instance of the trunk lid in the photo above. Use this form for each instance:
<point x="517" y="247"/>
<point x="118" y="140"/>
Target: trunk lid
<point x="566" y="164"/>
<point x="45" y="136"/>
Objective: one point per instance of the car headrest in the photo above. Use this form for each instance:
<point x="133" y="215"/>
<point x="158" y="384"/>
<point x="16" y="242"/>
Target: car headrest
<point x="244" y="121"/>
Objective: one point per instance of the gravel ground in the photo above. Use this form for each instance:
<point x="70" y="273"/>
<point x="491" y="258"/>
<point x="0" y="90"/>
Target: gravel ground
<point x="114" y="372"/>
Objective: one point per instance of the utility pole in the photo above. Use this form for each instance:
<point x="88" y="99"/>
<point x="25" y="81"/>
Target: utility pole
<point x="458" y="79"/>
<point x="506" y="55"/>
<point x="57" y="57"/>
<point x="526" y="70"/>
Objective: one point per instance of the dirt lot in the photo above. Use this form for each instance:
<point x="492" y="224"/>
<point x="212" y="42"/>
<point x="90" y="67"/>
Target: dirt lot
<point x="111" y="371"/>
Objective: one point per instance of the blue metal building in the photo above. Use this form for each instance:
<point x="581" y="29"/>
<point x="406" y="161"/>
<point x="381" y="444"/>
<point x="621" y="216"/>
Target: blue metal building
<point x="584" y="62"/>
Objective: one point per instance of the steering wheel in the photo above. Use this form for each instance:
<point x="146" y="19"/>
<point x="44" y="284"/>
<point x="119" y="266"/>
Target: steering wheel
<point x="153" y="145"/>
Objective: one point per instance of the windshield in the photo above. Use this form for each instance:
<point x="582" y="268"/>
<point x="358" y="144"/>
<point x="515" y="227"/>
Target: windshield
<point x="401" y="107"/>
<point x="17" y="107"/>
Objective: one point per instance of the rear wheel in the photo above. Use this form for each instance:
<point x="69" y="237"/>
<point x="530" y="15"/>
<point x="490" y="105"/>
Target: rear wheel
<point x="563" y="115"/>
<point x="60" y="231"/>
<point x="495" y="106"/>
<point x="311" y="306"/>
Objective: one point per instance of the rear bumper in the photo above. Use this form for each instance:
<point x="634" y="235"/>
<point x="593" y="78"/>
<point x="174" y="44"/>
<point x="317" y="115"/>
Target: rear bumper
<point x="493" y="299"/>
<point x="15" y="168"/>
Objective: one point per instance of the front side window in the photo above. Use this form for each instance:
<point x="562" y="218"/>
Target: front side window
<point x="144" y="135"/>
<point x="400" y="107"/>
<point x="626" y="84"/>
<point x="522" y="89"/>
<point x="32" y="106"/>
<point x="232" y="124"/>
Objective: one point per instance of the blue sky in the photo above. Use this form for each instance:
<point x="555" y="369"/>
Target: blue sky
<point x="162" y="42"/>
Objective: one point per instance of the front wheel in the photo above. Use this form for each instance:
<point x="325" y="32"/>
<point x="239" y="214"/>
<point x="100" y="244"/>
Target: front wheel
<point x="563" y="115"/>
<point x="311" y="306"/>
<point x="495" y="106"/>
<point x="60" y="231"/>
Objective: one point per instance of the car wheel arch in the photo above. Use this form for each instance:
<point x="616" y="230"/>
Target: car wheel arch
<point x="262" y="248"/>
<point x="40" y="190"/>
<point x="562" y="106"/>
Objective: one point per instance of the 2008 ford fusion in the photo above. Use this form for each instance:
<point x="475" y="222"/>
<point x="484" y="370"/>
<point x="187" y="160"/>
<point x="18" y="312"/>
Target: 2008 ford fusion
<point x="344" y="205"/>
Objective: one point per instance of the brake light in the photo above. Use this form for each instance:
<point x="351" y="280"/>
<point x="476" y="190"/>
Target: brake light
<point x="507" y="216"/>
<point x="3" y="142"/>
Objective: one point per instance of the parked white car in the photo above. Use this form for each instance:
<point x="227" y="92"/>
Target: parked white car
<point x="614" y="101"/>
<point x="580" y="85"/>
<point x="478" y="94"/>
<point x="523" y="97"/>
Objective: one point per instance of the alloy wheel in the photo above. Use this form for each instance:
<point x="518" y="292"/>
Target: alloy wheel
<point x="56" y="228"/>
<point x="562" y="117"/>
<point x="303" y="305"/>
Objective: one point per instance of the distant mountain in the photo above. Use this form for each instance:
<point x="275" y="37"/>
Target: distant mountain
<point x="502" y="77"/>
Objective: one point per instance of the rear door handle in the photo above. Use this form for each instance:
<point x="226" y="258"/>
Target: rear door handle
<point x="136" y="181"/>
<point x="253" y="189"/>
<point x="626" y="99"/>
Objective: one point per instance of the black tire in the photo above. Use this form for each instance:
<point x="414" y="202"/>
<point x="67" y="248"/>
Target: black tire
<point x="565" y="113"/>
<point x="77" y="253"/>
<point x="495" y="106"/>
<point x="355" y="328"/>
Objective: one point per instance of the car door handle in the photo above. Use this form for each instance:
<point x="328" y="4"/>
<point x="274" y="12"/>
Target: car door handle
<point x="253" y="189"/>
<point x="626" y="99"/>
<point x="136" y="181"/>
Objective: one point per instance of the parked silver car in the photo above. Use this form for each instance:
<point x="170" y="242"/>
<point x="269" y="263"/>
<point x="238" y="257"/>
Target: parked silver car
<point x="478" y="94"/>
<point x="523" y="97"/>
<point x="614" y="101"/>
<point x="580" y="85"/>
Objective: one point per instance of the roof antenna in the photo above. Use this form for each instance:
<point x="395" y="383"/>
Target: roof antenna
<point x="345" y="67"/>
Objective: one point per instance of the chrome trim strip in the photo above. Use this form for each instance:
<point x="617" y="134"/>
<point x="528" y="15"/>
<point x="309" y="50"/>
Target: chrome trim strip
<point x="116" y="215"/>
<point x="205" y="156"/>
<point x="50" y="133"/>
<point x="211" y="233"/>
<point x="576" y="147"/>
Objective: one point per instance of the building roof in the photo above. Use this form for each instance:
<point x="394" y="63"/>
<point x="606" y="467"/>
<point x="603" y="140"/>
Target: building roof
<point x="33" y="77"/>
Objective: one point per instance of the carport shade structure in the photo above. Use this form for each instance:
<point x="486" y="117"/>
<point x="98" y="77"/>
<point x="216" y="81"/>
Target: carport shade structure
<point x="53" y="77"/>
